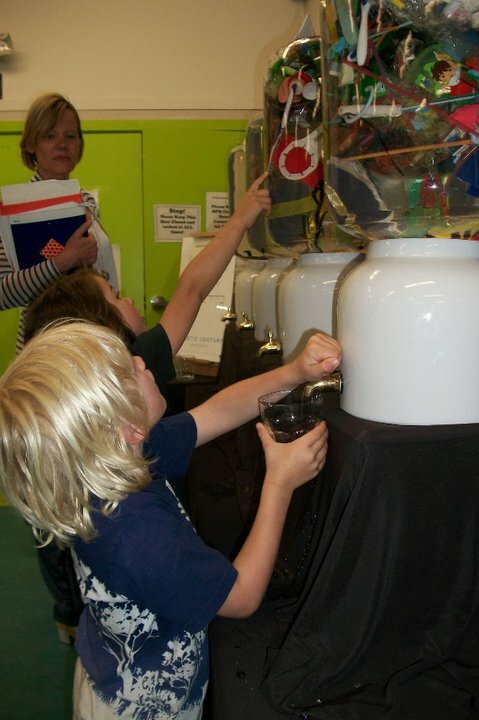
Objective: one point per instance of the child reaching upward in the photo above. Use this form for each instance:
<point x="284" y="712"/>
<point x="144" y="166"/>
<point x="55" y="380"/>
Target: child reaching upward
<point x="86" y="295"/>
<point x="86" y="460"/>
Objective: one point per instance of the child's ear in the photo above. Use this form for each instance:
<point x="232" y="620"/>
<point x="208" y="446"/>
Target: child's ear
<point x="133" y="435"/>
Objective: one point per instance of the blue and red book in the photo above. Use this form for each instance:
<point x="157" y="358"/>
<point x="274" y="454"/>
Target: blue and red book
<point x="38" y="218"/>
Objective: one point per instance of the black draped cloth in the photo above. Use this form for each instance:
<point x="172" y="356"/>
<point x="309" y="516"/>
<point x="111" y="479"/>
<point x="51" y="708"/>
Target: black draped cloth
<point x="385" y="620"/>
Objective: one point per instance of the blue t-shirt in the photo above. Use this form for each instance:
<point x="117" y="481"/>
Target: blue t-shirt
<point x="150" y="587"/>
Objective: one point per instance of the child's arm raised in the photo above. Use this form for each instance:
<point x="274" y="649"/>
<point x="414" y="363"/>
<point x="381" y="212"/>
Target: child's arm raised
<point x="202" y="273"/>
<point x="288" y="465"/>
<point x="238" y="403"/>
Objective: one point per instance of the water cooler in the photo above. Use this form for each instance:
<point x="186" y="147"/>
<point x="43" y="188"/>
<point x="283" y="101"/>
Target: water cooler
<point x="385" y="593"/>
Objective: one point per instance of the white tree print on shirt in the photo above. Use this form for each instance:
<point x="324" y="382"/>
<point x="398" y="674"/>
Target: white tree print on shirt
<point x="149" y="694"/>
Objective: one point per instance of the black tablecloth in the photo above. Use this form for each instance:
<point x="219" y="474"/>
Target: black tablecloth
<point x="386" y="621"/>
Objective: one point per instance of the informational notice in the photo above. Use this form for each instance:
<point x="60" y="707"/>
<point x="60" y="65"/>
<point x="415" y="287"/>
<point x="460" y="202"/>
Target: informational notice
<point x="217" y="210"/>
<point x="173" y="222"/>
<point x="205" y="339"/>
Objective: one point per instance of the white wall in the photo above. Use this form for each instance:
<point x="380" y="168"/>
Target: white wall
<point x="145" y="55"/>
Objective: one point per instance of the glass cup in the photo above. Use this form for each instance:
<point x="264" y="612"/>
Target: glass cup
<point x="288" y="414"/>
<point x="183" y="368"/>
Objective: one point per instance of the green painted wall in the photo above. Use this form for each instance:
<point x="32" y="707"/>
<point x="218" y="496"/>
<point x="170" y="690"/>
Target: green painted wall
<point x="136" y="165"/>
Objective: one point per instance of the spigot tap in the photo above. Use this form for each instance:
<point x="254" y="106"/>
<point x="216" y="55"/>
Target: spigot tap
<point x="272" y="346"/>
<point x="329" y="383"/>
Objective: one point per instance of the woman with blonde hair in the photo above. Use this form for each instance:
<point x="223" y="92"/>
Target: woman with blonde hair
<point x="52" y="146"/>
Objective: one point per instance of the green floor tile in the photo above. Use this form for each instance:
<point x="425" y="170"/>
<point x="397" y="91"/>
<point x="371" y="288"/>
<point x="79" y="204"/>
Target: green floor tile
<point x="36" y="671"/>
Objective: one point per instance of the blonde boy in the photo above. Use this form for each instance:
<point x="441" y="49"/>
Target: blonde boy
<point x="86" y="460"/>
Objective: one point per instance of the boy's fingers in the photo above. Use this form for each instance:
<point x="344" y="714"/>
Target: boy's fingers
<point x="255" y="185"/>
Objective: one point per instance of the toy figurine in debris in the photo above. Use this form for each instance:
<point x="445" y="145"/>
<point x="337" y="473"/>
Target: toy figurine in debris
<point x="293" y="145"/>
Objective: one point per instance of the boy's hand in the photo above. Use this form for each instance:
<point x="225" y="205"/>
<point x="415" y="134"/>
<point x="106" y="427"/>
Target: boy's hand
<point x="289" y="465"/>
<point x="320" y="357"/>
<point x="253" y="203"/>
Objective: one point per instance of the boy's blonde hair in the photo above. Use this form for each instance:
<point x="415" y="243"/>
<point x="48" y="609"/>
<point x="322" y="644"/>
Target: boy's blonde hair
<point x="65" y="403"/>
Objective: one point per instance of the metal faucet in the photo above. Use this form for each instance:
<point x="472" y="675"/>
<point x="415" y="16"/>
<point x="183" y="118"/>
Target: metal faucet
<point x="329" y="383"/>
<point x="246" y="323"/>
<point x="272" y="346"/>
<point x="229" y="315"/>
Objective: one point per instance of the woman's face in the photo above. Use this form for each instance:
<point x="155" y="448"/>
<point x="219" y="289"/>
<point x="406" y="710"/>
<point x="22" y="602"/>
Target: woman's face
<point x="129" y="313"/>
<point x="57" y="153"/>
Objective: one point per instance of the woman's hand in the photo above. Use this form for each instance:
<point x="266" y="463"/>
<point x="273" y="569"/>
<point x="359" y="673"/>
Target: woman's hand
<point x="80" y="249"/>
<point x="289" y="465"/>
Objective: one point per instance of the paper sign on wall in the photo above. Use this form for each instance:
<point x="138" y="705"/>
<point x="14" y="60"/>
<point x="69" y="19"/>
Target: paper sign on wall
<point x="173" y="222"/>
<point x="205" y="339"/>
<point x="217" y="210"/>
